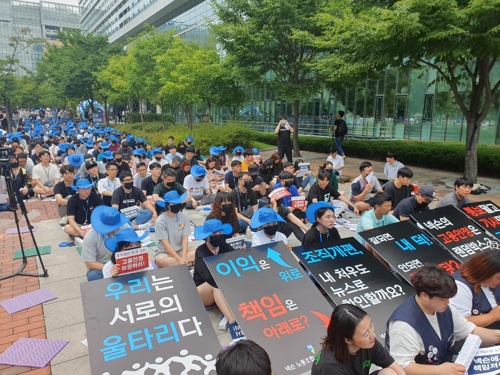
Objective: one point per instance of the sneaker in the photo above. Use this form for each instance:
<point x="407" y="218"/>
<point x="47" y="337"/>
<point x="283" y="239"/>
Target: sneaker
<point x="223" y="323"/>
<point x="63" y="221"/>
<point x="236" y="332"/>
<point x="41" y="197"/>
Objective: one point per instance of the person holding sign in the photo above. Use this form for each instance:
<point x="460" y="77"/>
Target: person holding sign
<point x="172" y="231"/>
<point x="213" y="232"/>
<point x="126" y="239"/>
<point x="478" y="289"/>
<point x="267" y="219"/>
<point x="362" y="187"/>
<point x="322" y="217"/>
<point x="421" y="332"/>
<point x="350" y="346"/>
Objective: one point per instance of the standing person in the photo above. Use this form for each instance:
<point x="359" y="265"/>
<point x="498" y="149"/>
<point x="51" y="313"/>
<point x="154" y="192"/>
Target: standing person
<point x="478" y="289"/>
<point x="392" y="166"/>
<point x="351" y="346"/>
<point x="459" y="197"/>
<point x="45" y="176"/>
<point x="284" y="144"/>
<point x="339" y="131"/>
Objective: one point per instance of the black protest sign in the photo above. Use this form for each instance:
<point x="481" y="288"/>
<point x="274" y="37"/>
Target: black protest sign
<point x="349" y="274"/>
<point x="486" y="214"/>
<point x="274" y="302"/>
<point x="146" y="322"/>
<point x="455" y="231"/>
<point x="406" y="248"/>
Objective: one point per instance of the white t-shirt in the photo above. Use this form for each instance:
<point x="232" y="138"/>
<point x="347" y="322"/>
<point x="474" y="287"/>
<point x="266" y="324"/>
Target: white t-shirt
<point x="260" y="238"/>
<point x="462" y="301"/>
<point x="337" y="162"/>
<point x="105" y="184"/>
<point x="406" y="343"/>
<point x="45" y="174"/>
<point x="194" y="187"/>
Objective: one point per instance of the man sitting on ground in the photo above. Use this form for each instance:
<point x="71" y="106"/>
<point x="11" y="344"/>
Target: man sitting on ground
<point x="418" y="203"/>
<point x="197" y="184"/>
<point x="45" y="176"/>
<point x="80" y="207"/>
<point x="63" y="191"/>
<point x="245" y="199"/>
<point x="399" y="188"/>
<point x="149" y="183"/>
<point x="392" y="166"/>
<point x="458" y="198"/>
<point x="336" y="160"/>
<point x="361" y="188"/>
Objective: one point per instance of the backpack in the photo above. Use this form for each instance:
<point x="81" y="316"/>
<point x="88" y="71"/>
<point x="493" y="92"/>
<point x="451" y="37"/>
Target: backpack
<point x="342" y="128"/>
<point x="478" y="189"/>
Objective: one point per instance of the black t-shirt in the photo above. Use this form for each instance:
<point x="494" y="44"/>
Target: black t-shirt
<point x="337" y="124"/>
<point x="409" y="206"/>
<point x="123" y="168"/>
<point x="244" y="200"/>
<point x="21" y="179"/>
<point x="149" y="185"/>
<point x="284" y="137"/>
<point x="322" y="195"/>
<point x="201" y="273"/>
<point x="231" y="180"/>
<point x="95" y="180"/>
<point x="397" y="194"/>
<point x="125" y="200"/>
<point x="325" y="362"/>
<point x="313" y="236"/>
<point x="180" y="176"/>
<point x="81" y="209"/>
<point x="61" y="188"/>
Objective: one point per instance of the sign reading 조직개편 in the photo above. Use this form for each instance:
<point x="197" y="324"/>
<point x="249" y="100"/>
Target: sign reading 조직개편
<point x="274" y="302"/>
<point x="349" y="274"/>
<point x="150" y="321"/>
<point x="406" y="248"/>
<point x="486" y="214"/>
<point x="455" y="231"/>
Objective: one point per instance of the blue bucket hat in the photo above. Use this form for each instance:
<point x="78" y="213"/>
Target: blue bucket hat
<point x="141" y="140"/>
<point x="214" y="150"/>
<point x="172" y="197"/>
<point x="127" y="234"/>
<point x="189" y="138"/>
<point x="212" y="226"/>
<point x="238" y="148"/>
<point x="104" y="145"/>
<point x="255" y="150"/>
<point x="313" y="208"/>
<point x="76" y="160"/>
<point x="83" y="183"/>
<point x="156" y="151"/>
<point x="130" y="137"/>
<point x="139" y="151"/>
<point x="264" y="216"/>
<point x="198" y="171"/>
<point x="106" y="219"/>
<point x="89" y="144"/>
<point x="107" y="155"/>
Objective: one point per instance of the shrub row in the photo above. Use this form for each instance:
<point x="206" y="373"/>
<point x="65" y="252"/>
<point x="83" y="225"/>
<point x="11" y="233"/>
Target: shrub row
<point x="148" y="117"/>
<point x="448" y="156"/>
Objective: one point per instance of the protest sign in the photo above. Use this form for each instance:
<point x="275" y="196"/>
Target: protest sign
<point x="486" y="362"/>
<point x="132" y="260"/>
<point x="486" y="214"/>
<point x="303" y="169"/>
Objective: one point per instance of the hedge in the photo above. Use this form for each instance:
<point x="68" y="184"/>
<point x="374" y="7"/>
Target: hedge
<point x="132" y="118"/>
<point x="448" y="156"/>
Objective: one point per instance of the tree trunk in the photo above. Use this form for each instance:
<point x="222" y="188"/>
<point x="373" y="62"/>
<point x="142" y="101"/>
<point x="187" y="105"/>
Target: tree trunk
<point x="296" y="149"/>
<point x="470" y="170"/>
<point x="8" y="113"/>
<point x="105" y="114"/>
<point x="162" y="116"/>
<point x="142" y="117"/>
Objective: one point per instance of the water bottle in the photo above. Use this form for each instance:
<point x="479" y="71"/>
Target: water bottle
<point x="249" y="233"/>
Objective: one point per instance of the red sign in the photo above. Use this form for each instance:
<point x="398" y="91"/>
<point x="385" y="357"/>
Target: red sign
<point x="132" y="260"/>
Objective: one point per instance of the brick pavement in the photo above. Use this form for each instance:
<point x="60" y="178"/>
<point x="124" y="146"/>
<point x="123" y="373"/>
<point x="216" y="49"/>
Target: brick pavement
<point x="30" y="322"/>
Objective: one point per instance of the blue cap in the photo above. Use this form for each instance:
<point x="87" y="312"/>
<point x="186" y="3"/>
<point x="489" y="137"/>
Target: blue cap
<point x="127" y="234"/>
<point x="314" y="207"/>
<point x="264" y="216"/>
<point x="198" y="170"/>
<point x="212" y="226"/>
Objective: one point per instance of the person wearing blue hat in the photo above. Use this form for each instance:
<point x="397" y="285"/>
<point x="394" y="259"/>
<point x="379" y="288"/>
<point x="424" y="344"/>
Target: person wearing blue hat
<point x="221" y="158"/>
<point x="64" y="190"/>
<point x="197" y="184"/>
<point x="45" y="176"/>
<point x="238" y="153"/>
<point x="171" y="232"/>
<point x="322" y="217"/>
<point x="76" y="160"/>
<point x="266" y="220"/>
<point x="106" y="221"/>
<point x="126" y="239"/>
<point x="68" y="150"/>
<point x="80" y="206"/>
<point x="213" y="231"/>
<point x="158" y="156"/>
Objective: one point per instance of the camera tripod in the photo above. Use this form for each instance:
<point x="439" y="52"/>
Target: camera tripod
<point x="14" y="193"/>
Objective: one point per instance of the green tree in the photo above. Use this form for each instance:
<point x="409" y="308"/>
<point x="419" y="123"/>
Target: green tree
<point x="19" y="43"/>
<point x="71" y="66"/>
<point x="271" y="43"/>
<point x="459" y="39"/>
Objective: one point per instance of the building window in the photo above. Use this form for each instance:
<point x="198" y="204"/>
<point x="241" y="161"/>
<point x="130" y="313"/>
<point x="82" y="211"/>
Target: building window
<point x="428" y="107"/>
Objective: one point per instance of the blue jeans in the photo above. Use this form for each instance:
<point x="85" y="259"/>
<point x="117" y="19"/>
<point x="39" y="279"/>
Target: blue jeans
<point x="4" y="206"/>
<point x="307" y="180"/>
<point x="338" y="143"/>
<point x="94" y="275"/>
<point x="243" y="225"/>
<point x="143" y="217"/>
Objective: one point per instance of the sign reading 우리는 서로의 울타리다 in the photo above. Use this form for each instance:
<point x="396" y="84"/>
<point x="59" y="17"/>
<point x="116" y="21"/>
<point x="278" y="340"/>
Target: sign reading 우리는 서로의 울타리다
<point x="450" y="227"/>
<point x="274" y="302"/>
<point x="350" y="274"/>
<point x="148" y="320"/>
<point x="406" y="248"/>
<point x="486" y="214"/>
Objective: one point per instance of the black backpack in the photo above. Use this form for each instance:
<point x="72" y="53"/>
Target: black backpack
<point x="342" y="128"/>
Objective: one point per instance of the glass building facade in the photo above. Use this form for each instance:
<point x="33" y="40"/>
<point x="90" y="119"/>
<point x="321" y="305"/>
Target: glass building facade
<point x="44" y="20"/>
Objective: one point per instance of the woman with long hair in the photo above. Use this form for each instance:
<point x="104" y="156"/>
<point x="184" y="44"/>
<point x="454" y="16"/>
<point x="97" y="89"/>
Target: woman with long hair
<point x="351" y="347"/>
<point x="277" y="163"/>
<point x="224" y="209"/>
<point x="183" y="171"/>
<point x="478" y="289"/>
<point x="214" y="178"/>
<point x="322" y="217"/>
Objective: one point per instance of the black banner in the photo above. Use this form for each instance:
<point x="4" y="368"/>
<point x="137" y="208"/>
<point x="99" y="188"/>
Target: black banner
<point x="148" y="322"/>
<point x="486" y="214"/>
<point x="274" y="302"/>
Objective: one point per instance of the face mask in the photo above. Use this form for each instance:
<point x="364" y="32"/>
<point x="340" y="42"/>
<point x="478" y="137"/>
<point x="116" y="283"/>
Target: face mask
<point x="247" y="184"/>
<point x="271" y="230"/>
<point x="226" y="208"/>
<point x="128" y="185"/>
<point x="175" y="208"/>
<point x="188" y="143"/>
<point x="119" y="160"/>
<point x="238" y="153"/>
<point x="288" y="184"/>
<point x="216" y="241"/>
<point x="14" y="165"/>
<point x="170" y="184"/>
<point x="158" y="158"/>
<point x="199" y="179"/>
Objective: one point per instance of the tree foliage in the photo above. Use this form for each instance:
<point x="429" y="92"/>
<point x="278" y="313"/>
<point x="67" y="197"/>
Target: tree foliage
<point x="459" y="39"/>
<point x="272" y="44"/>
